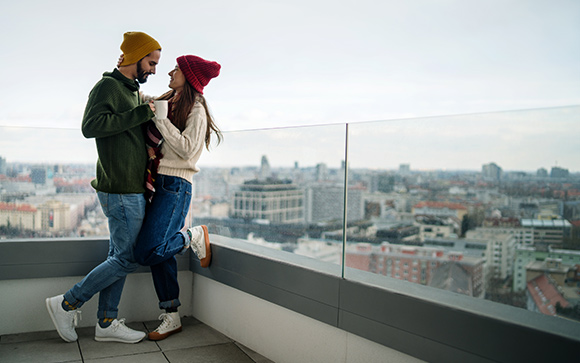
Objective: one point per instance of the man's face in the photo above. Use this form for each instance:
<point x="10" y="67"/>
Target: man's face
<point x="146" y="66"/>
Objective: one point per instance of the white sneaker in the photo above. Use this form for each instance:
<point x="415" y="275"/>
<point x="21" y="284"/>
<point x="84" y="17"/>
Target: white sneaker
<point x="200" y="244"/>
<point x="171" y="324"/>
<point x="64" y="321"/>
<point x="118" y="332"/>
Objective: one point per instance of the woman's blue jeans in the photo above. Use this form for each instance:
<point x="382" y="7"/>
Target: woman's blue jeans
<point x="125" y="213"/>
<point x="161" y="238"/>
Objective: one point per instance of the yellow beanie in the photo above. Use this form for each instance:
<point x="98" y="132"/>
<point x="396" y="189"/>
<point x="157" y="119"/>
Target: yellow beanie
<point x="136" y="45"/>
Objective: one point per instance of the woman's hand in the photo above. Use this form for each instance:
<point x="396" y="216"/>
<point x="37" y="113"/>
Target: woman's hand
<point x="152" y="105"/>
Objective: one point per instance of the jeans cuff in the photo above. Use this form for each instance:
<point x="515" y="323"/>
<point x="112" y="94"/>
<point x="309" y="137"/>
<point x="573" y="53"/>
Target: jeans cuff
<point x="169" y="304"/>
<point x="186" y="243"/>
<point x="72" y="301"/>
<point x="107" y="314"/>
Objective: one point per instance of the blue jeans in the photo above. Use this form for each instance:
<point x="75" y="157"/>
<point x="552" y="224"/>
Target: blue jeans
<point x="161" y="238"/>
<point x="125" y="213"/>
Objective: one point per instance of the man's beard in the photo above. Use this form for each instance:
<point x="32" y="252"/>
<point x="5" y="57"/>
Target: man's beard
<point x="141" y="75"/>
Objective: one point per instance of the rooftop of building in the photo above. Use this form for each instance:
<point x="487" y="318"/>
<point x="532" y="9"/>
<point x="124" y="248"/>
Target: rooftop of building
<point x="440" y="205"/>
<point x="545" y="223"/>
<point x="545" y="295"/>
<point x="452" y="277"/>
<point x="17" y="207"/>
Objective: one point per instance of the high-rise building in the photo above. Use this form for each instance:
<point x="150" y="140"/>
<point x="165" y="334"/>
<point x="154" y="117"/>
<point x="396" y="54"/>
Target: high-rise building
<point x="38" y="176"/>
<point x="385" y="183"/>
<point x="558" y="172"/>
<point x="542" y="173"/>
<point x="491" y="171"/>
<point x="2" y="166"/>
<point x="499" y="252"/>
<point x="321" y="172"/>
<point x="404" y="168"/>
<point x="265" y="170"/>
<point x="325" y="202"/>
<point x="271" y="200"/>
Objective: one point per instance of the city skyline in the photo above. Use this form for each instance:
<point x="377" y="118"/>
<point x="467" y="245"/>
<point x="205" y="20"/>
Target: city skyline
<point x="408" y="168"/>
<point x="515" y="141"/>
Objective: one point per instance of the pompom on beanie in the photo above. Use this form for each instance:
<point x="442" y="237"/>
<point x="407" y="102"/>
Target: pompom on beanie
<point x="136" y="45"/>
<point x="198" y="71"/>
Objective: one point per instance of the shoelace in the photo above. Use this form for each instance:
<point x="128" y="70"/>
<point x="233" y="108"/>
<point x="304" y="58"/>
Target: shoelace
<point x="76" y="314"/>
<point x="165" y="323"/>
<point x="120" y="323"/>
<point x="197" y="248"/>
<point x="196" y="241"/>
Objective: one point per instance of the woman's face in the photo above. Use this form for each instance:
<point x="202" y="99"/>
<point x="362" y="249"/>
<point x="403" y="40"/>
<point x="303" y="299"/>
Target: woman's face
<point x="176" y="79"/>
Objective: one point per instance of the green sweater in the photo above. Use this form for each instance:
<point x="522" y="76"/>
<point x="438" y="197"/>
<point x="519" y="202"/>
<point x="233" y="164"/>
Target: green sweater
<point x="114" y="116"/>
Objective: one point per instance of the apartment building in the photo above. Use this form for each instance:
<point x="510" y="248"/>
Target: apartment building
<point x="440" y="209"/>
<point x="499" y="252"/>
<point x="526" y="258"/>
<point x="22" y="216"/>
<point x="421" y="265"/>
<point x="548" y="232"/>
<point x="325" y="202"/>
<point x="271" y="200"/>
<point x="430" y="228"/>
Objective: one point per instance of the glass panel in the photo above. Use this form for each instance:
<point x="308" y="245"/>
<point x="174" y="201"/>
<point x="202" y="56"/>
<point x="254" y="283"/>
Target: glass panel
<point x="483" y="205"/>
<point x="44" y="184"/>
<point x="281" y="188"/>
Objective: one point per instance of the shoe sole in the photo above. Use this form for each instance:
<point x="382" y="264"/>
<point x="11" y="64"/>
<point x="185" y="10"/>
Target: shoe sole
<point x="53" y="318"/>
<point x="156" y="336"/>
<point x="99" y="339"/>
<point x="207" y="259"/>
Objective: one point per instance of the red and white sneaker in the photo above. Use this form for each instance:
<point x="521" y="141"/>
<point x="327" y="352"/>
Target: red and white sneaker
<point x="170" y="324"/>
<point x="200" y="245"/>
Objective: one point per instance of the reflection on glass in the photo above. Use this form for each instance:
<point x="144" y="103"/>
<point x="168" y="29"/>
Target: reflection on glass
<point x="482" y="205"/>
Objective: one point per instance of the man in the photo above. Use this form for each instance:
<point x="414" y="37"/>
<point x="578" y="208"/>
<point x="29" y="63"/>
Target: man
<point x="114" y="116"/>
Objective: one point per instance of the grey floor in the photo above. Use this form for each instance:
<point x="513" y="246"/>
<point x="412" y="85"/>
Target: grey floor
<point x="196" y="343"/>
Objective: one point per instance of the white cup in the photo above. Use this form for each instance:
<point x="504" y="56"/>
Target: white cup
<point x="161" y="109"/>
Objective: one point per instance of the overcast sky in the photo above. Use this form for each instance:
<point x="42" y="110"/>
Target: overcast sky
<point x="292" y="63"/>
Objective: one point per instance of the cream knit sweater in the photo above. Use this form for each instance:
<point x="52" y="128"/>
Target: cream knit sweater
<point x="181" y="150"/>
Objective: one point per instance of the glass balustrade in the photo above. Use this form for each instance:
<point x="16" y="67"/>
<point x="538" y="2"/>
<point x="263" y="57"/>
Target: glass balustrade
<point x="483" y="205"/>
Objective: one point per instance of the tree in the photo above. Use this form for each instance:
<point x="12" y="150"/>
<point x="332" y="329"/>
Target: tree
<point x="464" y="225"/>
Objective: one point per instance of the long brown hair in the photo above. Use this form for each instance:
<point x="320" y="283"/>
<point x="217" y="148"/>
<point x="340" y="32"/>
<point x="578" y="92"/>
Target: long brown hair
<point x="182" y="105"/>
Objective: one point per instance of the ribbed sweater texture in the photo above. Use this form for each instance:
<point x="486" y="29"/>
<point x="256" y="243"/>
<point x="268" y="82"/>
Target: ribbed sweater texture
<point x="115" y="117"/>
<point x="182" y="150"/>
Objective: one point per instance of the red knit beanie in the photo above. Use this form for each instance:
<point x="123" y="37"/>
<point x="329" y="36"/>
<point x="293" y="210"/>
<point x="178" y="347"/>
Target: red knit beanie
<point x="198" y="71"/>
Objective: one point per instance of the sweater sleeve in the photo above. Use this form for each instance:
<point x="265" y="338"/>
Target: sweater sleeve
<point x="189" y="142"/>
<point x="102" y="118"/>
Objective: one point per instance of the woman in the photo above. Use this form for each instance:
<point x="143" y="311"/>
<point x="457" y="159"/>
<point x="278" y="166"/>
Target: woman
<point x="176" y="144"/>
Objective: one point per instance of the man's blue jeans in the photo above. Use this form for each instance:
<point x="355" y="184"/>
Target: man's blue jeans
<point x="125" y="213"/>
<point x="160" y="238"/>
